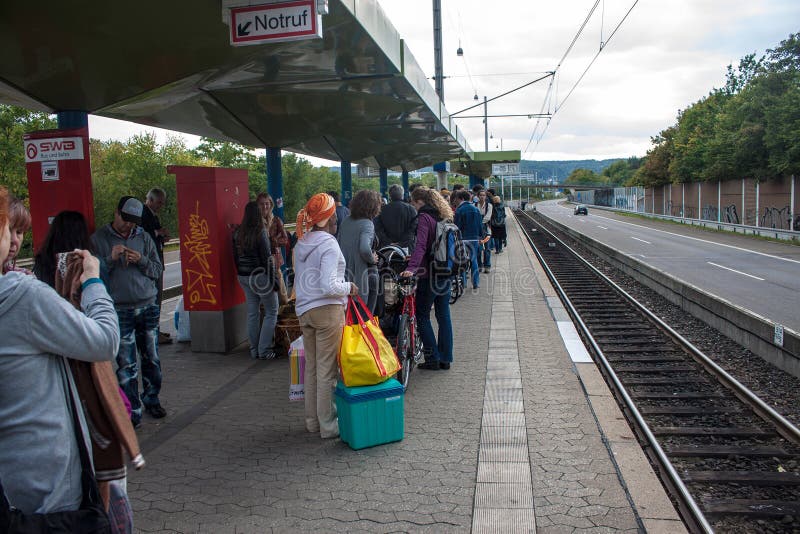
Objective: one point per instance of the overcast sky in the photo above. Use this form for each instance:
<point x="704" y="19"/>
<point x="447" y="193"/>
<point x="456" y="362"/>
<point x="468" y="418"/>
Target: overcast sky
<point x="664" y="56"/>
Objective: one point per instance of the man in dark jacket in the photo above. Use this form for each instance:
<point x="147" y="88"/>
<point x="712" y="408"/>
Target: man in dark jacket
<point x="156" y="198"/>
<point x="470" y="221"/>
<point x="133" y="267"/>
<point x="397" y="222"/>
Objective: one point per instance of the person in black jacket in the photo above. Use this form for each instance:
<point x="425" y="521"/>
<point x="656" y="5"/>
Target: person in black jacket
<point x="397" y="222"/>
<point x="257" y="276"/>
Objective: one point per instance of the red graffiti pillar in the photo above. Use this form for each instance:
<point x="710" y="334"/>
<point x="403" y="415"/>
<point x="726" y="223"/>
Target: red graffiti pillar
<point x="210" y="205"/>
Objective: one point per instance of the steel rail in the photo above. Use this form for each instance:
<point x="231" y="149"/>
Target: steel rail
<point x="783" y="425"/>
<point x="675" y="479"/>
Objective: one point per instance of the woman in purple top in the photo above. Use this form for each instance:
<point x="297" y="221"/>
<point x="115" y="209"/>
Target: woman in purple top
<point x="432" y="290"/>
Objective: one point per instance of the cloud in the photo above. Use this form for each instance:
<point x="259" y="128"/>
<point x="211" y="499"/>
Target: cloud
<point x="664" y="57"/>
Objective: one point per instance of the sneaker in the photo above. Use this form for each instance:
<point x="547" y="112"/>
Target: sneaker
<point x="445" y="366"/>
<point x="156" y="411"/>
<point x="164" y="338"/>
<point x="432" y="365"/>
<point x="269" y="355"/>
<point x="137" y="423"/>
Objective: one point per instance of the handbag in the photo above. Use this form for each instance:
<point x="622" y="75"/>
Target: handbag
<point x="365" y="357"/>
<point x="90" y="518"/>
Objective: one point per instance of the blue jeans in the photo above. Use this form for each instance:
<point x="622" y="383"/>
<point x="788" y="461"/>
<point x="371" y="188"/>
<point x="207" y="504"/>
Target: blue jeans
<point x="485" y="254"/>
<point x="138" y="329"/>
<point x="498" y="245"/>
<point x="473" y="264"/>
<point x="435" y="292"/>
<point x="260" y="333"/>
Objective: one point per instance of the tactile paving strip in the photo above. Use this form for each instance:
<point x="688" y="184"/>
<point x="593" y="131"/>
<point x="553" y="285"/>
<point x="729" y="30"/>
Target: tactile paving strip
<point x="504" y="492"/>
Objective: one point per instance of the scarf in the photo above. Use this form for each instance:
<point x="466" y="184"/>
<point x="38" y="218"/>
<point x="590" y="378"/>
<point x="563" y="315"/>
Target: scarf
<point x="319" y="207"/>
<point x="108" y="421"/>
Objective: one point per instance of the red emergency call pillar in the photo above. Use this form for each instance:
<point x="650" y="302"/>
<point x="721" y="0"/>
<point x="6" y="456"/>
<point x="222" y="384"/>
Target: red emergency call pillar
<point x="59" y="177"/>
<point x="211" y="202"/>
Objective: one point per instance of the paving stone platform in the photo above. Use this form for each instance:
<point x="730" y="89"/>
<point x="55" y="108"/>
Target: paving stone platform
<point x="507" y="440"/>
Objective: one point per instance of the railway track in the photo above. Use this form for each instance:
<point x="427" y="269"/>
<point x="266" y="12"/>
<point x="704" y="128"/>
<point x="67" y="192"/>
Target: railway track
<point x="731" y="463"/>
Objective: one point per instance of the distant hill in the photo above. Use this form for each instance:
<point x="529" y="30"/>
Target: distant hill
<point x="558" y="169"/>
<point x="562" y="169"/>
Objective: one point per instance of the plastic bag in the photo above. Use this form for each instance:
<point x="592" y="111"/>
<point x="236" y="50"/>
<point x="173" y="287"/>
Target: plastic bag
<point x="182" y="325"/>
<point x="297" y="369"/>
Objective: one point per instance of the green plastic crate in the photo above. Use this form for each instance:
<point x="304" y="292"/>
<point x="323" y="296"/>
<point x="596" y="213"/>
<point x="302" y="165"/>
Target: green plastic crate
<point x="370" y="415"/>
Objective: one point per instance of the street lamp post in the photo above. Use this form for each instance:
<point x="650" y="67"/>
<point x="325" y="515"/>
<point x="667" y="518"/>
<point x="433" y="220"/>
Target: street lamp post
<point x="485" y="124"/>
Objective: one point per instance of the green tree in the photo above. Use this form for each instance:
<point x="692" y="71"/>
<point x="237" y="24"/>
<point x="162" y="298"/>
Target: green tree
<point x="584" y="177"/>
<point x="14" y="123"/>
<point x="655" y="169"/>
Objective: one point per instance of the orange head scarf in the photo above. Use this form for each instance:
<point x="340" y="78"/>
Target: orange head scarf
<point x="319" y="208"/>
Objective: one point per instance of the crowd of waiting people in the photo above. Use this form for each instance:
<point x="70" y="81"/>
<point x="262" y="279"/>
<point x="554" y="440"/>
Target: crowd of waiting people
<point x="90" y="300"/>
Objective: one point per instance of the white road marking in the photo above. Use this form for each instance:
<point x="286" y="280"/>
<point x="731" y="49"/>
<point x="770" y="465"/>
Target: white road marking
<point x="702" y="240"/>
<point x="642" y="240"/>
<point x="172" y="263"/>
<point x="603" y="227"/>
<point x="733" y="270"/>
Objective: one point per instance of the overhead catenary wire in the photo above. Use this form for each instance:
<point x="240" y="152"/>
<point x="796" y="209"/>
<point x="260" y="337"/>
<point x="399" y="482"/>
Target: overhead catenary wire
<point x="602" y="46"/>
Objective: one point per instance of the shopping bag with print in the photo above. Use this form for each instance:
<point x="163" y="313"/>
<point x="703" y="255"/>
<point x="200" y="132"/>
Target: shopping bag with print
<point x="297" y="369"/>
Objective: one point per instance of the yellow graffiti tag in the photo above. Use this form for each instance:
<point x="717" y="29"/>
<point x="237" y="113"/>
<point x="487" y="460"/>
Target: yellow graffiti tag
<point x="200" y="283"/>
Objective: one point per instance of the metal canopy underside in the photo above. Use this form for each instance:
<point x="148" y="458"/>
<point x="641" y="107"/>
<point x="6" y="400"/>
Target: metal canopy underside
<point x="356" y="95"/>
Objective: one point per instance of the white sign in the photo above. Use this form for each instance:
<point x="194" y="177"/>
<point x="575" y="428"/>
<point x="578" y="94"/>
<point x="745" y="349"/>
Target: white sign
<point x="49" y="171"/>
<point x="778" y="338"/>
<point x="270" y="23"/>
<point x="53" y="149"/>
<point x="504" y="169"/>
<point x="364" y="171"/>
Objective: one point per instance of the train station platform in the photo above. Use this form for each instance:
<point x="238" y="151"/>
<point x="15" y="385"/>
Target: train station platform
<point x="520" y="435"/>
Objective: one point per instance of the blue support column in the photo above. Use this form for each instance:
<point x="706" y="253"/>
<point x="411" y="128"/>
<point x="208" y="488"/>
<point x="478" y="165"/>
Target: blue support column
<point x="275" y="180"/>
<point x="405" y="184"/>
<point x="72" y="119"/>
<point x="384" y="181"/>
<point x="347" y="183"/>
<point x="473" y="181"/>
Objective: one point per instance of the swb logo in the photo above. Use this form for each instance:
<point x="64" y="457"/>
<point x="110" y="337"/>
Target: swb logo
<point x="53" y="149"/>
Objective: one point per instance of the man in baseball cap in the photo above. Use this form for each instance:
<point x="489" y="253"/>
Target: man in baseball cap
<point x="133" y="266"/>
<point x="130" y="210"/>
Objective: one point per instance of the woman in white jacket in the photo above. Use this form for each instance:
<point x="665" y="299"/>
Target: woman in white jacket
<point x="322" y="293"/>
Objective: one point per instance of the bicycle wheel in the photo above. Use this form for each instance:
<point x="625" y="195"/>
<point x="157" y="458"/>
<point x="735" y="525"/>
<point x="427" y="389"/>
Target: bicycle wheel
<point x="456" y="288"/>
<point x="404" y="350"/>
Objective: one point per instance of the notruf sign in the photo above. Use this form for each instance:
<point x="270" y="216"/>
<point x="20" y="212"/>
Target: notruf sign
<point x="269" y="23"/>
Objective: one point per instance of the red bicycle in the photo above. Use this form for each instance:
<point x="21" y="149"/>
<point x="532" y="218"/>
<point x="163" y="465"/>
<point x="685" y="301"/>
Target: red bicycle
<point x="400" y="309"/>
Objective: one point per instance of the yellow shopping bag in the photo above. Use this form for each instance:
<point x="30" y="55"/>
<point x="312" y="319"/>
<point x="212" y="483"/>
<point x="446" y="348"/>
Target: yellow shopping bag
<point x="365" y="356"/>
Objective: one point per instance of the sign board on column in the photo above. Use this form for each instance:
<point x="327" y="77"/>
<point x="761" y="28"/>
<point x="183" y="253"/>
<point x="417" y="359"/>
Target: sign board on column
<point x="505" y="169"/>
<point x="276" y="22"/>
<point x="59" y="177"/>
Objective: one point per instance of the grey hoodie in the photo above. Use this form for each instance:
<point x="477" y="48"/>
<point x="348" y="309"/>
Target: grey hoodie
<point x="131" y="286"/>
<point x="39" y="461"/>
<point x="319" y="272"/>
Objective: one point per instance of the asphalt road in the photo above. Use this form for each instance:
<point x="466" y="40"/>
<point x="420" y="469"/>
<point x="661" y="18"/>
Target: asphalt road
<point x="758" y="275"/>
<point x="172" y="274"/>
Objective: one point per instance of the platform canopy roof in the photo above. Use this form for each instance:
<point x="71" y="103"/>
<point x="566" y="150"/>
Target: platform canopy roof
<point x="357" y="94"/>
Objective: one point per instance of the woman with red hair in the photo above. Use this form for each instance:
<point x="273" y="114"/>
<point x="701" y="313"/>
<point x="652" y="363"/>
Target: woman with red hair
<point x="321" y="299"/>
<point x="40" y="465"/>
<point x="19" y="222"/>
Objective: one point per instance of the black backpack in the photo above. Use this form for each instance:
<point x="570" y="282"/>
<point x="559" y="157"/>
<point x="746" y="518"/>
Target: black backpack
<point x="499" y="216"/>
